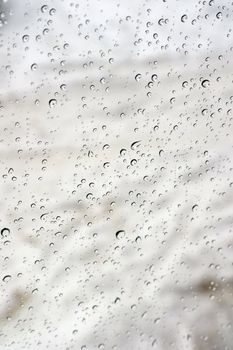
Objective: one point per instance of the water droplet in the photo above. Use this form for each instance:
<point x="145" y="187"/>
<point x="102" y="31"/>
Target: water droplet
<point x="138" y="77"/>
<point x="219" y="15"/>
<point x="161" y="21"/>
<point x="52" y="11"/>
<point x="133" y="161"/>
<point x="63" y="87"/>
<point x="120" y="234"/>
<point x="157" y="320"/>
<point x="52" y="102"/>
<point x="185" y="84"/>
<point x="25" y="38"/>
<point x="135" y="144"/>
<point x="6" y="278"/>
<point x="184" y="18"/>
<point x="117" y="300"/>
<point x="205" y="83"/>
<point x="44" y="8"/>
<point x="34" y="66"/>
<point x="5" y="232"/>
<point x="154" y="77"/>
<point x="194" y="207"/>
<point x="102" y="80"/>
<point x="172" y="100"/>
<point x="161" y="152"/>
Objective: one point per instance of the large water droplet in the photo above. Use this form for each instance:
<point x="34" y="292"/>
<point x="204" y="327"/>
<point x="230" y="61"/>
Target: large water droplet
<point x="5" y="232"/>
<point x="120" y="234"/>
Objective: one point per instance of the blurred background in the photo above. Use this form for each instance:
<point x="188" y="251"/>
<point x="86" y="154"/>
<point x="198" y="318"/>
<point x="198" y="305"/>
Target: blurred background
<point x="116" y="182"/>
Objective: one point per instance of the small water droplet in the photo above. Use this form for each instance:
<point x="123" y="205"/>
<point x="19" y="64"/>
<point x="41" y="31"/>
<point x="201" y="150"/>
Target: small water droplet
<point x="34" y="66"/>
<point x="194" y="207"/>
<point x="157" y="320"/>
<point x="135" y="144"/>
<point x="102" y="80"/>
<point x="205" y="83"/>
<point x="184" y="18"/>
<point x="44" y="8"/>
<point x="6" y="278"/>
<point x="120" y="234"/>
<point x="154" y="77"/>
<point x="5" y="232"/>
<point x="133" y="161"/>
<point x="52" y="102"/>
<point x="52" y="11"/>
<point x="161" y="152"/>
<point x="25" y="38"/>
<point x="63" y="87"/>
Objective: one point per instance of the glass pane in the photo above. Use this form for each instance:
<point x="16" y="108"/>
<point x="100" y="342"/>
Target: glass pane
<point x="116" y="184"/>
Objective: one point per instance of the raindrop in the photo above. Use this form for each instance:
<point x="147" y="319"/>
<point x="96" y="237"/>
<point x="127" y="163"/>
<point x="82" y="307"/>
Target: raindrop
<point x="204" y="111"/>
<point x="219" y="15"/>
<point x="52" y="11"/>
<point x="133" y="161"/>
<point x="138" y="239"/>
<point x="161" y="153"/>
<point x="34" y="66"/>
<point x="157" y="320"/>
<point x="205" y="83"/>
<point x="138" y="77"/>
<point x="5" y="232"/>
<point x="123" y="152"/>
<point x="161" y="21"/>
<point x="135" y="144"/>
<point x="194" y="207"/>
<point x="117" y="300"/>
<point x="52" y="102"/>
<point x="25" y="38"/>
<point x="120" y="234"/>
<point x="6" y="278"/>
<point x="172" y="100"/>
<point x="102" y="80"/>
<point x="44" y="8"/>
<point x="185" y="84"/>
<point x="184" y="18"/>
<point x="63" y="87"/>
<point x="154" y="77"/>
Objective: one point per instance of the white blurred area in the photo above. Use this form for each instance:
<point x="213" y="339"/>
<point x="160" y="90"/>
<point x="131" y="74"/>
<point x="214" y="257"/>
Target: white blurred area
<point x="116" y="116"/>
<point x="127" y="30"/>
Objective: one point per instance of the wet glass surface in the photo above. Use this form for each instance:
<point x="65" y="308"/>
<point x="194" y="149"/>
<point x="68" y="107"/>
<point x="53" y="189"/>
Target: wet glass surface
<point x="116" y="181"/>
